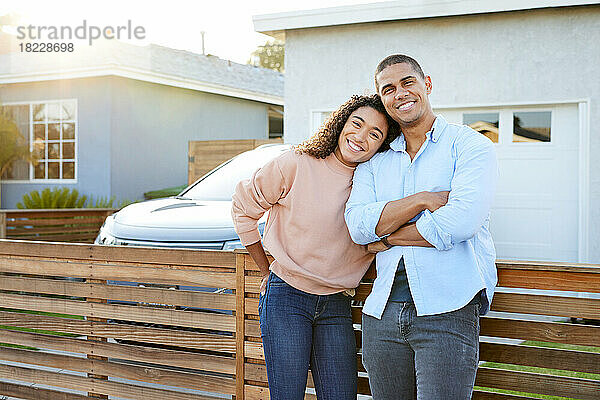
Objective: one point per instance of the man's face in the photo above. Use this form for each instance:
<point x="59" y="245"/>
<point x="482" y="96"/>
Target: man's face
<point x="404" y="93"/>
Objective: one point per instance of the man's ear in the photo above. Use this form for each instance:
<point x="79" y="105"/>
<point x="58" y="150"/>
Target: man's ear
<point x="428" y="85"/>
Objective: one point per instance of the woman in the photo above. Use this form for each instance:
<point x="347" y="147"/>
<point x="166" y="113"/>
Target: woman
<point x="304" y="306"/>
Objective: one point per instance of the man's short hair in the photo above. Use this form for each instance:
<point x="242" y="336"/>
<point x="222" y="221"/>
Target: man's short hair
<point x="398" y="59"/>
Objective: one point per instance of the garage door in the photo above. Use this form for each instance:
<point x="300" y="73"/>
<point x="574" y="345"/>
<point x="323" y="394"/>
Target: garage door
<point x="535" y="213"/>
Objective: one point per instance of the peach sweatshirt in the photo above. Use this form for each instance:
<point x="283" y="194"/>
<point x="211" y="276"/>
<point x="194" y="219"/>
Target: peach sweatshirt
<point x="305" y="230"/>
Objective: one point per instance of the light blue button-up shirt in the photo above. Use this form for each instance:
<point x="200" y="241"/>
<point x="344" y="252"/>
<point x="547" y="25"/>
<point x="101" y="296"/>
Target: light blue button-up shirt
<point x="447" y="276"/>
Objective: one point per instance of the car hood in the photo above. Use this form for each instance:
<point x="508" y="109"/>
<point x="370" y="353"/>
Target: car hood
<point x="177" y="220"/>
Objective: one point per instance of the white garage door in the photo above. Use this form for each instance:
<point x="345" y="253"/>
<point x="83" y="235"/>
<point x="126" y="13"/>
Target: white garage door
<point x="535" y="214"/>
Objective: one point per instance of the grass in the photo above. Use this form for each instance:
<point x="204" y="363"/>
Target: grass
<point x="48" y="314"/>
<point x="548" y="371"/>
<point x="43" y="331"/>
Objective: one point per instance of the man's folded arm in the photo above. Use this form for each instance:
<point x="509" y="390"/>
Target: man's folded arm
<point x="471" y="194"/>
<point x="368" y="219"/>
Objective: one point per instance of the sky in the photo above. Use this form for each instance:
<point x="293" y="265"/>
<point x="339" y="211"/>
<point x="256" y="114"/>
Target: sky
<point x="174" y="23"/>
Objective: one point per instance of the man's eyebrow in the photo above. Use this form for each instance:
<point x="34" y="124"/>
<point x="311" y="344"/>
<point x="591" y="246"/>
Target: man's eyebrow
<point x="386" y="85"/>
<point x="408" y="77"/>
<point x="356" y="116"/>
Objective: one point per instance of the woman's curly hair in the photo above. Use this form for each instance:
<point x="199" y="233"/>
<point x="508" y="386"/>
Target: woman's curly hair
<point x="324" y="142"/>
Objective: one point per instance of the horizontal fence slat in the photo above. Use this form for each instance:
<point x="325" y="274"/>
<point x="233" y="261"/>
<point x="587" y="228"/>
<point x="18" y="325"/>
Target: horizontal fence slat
<point x="252" y="328"/>
<point x="547" y="305"/>
<point x="153" y="315"/>
<point x="34" y="393"/>
<point x="174" y="358"/>
<point x="126" y="371"/>
<point x="78" y="228"/>
<point x="530" y="382"/>
<point x="542" y="331"/>
<point x="542" y="357"/>
<point x="551" y="280"/>
<point x="222" y="301"/>
<point x="72" y="212"/>
<point x="78" y="251"/>
<point x="120" y="331"/>
<point x="94" y="385"/>
<point x="53" y="222"/>
<point x="122" y="272"/>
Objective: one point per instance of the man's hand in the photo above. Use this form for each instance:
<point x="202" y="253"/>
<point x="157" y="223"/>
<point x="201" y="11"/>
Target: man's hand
<point x="263" y="283"/>
<point x="435" y="200"/>
<point x="376" y="247"/>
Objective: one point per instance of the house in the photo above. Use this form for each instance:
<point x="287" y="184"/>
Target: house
<point x="527" y="69"/>
<point x="115" y="119"/>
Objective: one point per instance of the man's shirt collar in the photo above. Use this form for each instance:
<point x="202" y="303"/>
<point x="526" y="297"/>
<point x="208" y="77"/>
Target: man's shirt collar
<point x="439" y="125"/>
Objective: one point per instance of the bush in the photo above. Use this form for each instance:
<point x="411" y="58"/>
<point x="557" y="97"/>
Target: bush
<point x="55" y="198"/>
<point x="105" y="202"/>
<point x="66" y="198"/>
<point x="155" y="194"/>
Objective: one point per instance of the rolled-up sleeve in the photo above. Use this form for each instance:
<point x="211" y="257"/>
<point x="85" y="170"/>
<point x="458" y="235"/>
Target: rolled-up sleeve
<point x="255" y="196"/>
<point x="363" y="211"/>
<point x="472" y="191"/>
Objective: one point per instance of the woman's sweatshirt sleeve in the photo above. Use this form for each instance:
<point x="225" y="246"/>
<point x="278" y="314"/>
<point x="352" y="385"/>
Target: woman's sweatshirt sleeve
<point x="255" y="196"/>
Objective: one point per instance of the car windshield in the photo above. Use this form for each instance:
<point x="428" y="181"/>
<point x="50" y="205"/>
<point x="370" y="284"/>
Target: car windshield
<point x="220" y="183"/>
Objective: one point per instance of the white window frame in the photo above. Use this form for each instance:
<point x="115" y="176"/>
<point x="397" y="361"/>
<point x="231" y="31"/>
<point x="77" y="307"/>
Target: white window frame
<point x="316" y="116"/>
<point x="32" y="178"/>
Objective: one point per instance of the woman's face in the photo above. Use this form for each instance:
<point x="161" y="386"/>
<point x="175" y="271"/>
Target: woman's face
<point x="363" y="133"/>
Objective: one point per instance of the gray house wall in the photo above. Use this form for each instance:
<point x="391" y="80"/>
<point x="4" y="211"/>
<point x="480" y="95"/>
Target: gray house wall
<point x="502" y="58"/>
<point x="133" y="135"/>
<point x="93" y="130"/>
<point x="151" y="125"/>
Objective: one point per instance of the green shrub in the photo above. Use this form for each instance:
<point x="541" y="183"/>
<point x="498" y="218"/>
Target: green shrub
<point x="173" y="191"/>
<point x="52" y="198"/>
<point x="105" y="202"/>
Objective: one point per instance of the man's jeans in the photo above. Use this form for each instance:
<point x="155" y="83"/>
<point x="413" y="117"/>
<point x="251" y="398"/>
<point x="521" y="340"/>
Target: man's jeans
<point x="430" y="357"/>
<point x="300" y="330"/>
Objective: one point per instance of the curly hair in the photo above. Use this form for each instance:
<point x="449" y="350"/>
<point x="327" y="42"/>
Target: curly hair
<point x="324" y="142"/>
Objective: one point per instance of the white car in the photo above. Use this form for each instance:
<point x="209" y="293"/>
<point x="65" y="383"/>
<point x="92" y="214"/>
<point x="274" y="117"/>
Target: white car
<point x="199" y="217"/>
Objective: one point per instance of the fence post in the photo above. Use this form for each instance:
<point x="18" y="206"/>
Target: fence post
<point x="2" y="225"/>
<point x="240" y="331"/>
<point x="96" y="339"/>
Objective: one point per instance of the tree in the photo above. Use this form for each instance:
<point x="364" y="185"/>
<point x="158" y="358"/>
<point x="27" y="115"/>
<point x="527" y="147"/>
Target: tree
<point x="270" y="55"/>
<point x="13" y="145"/>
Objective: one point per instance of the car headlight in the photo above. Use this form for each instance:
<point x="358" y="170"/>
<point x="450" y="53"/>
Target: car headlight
<point x="105" y="238"/>
<point x="232" y="245"/>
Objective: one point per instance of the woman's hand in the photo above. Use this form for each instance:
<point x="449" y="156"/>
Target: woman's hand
<point x="263" y="283"/>
<point x="376" y="247"/>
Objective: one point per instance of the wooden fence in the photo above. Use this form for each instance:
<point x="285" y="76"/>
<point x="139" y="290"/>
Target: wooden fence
<point x="511" y="324"/>
<point x="64" y="225"/>
<point x="66" y="323"/>
<point x="205" y="155"/>
<point x="69" y="325"/>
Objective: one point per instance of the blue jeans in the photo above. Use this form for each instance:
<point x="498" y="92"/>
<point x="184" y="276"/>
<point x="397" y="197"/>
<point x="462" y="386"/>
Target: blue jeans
<point x="299" y="330"/>
<point x="430" y="357"/>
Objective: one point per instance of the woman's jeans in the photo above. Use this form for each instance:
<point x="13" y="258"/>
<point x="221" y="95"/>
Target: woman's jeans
<point x="299" y="330"/>
<point x="430" y="357"/>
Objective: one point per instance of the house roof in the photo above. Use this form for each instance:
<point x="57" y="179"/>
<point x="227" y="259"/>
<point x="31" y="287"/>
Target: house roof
<point x="276" y="24"/>
<point x="152" y="63"/>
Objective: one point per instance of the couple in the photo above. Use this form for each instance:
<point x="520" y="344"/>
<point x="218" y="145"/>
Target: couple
<point x="383" y="175"/>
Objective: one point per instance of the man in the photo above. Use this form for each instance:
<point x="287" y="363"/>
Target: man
<point x="436" y="260"/>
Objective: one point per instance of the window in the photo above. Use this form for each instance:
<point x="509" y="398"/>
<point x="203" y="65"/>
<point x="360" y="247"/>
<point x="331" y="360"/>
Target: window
<point x="50" y="129"/>
<point x="484" y="123"/>
<point x="514" y="126"/>
<point x="531" y="126"/>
